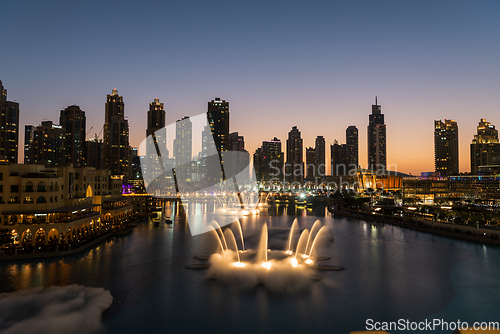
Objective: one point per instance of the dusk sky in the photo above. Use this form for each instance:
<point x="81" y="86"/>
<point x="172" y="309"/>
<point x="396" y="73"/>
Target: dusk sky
<point x="316" y="65"/>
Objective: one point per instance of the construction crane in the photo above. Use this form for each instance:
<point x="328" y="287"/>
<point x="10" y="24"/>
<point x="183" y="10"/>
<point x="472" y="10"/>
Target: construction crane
<point x="98" y="135"/>
<point x="87" y="135"/>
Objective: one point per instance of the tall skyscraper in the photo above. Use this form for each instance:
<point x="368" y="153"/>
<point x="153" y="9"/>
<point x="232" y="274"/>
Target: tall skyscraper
<point x="9" y="128"/>
<point x="218" y="118"/>
<point x="156" y="117"/>
<point x="94" y="148"/>
<point x="338" y="158"/>
<point x="183" y="142"/>
<point x="294" y="156"/>
<point x="485" y="147"/>
<point x="156" y="121"/>
<point x="49" y="145"/>
<point x="446" y="147"/>
<point x="377" y="155"/>
<point x="73" y="121"/>
<point x="319" y="157"/>
<point x="116" y="147"/>
<point x="351" y="136"/>
<point x="29" y="133"/>
<point x="310" y="163"/>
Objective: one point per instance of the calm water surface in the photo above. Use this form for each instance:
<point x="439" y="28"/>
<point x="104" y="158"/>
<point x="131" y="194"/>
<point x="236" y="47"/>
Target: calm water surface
<point x="391" y="274"/>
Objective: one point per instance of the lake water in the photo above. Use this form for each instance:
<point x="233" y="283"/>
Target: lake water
<point x="391" y="273"/>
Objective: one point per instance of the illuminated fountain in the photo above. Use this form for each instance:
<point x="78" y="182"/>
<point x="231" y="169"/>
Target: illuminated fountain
<point x="289" y="270"/>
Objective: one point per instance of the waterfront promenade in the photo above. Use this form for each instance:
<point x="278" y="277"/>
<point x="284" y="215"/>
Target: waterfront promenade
<point x="466" y="232"/>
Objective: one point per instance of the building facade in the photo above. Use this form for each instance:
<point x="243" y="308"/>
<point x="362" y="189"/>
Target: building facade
<point x="485" y="147"/>
<point x="9" y="128"/>
<point x="116" y="148"/>
<point x="73" y="121"/>
<point x="446" y="147"/>
<point x="294" y="169"/>
<point x="218" y="119"/>
<point x="377" y="152"/>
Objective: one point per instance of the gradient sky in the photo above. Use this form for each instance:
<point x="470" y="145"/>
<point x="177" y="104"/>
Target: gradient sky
<point x="317" y="65"/>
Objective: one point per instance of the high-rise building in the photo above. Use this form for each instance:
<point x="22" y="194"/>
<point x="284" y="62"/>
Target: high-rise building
<point x="156" y="117"/>
<point x="294" y="156"/>
<point x="319" y="157"/>
<point x="377" y="155"/>
<point x="116" y="148"/>
<point x="218" y="118"/>
<point x="446" y="147"/>
<point x="351" y="136"/>
<point x="183" y="149"/>
<point x="310" y="163"/>
<point x="268" y="161"/>
<point x="183" y="142"/>
<point x="338" y="159"/>
<point x="9" y="128"/>
<point x="73" y="121"/>
<point x="156" y="121"/>
<point x="29" y="132"/>
<point x="485" y="147"/>
<point x="49" y="145"/>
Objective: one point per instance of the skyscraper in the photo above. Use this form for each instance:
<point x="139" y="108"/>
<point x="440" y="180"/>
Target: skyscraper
<point x="446" y="147"/>
<point x="338" y="154"/>
<point x="29" y="132"/>
<point x="49" y="145"/>
<point x="116" y="148"/>
<point x="156" y="117"/>
<point x="236" y="142"/>
<point x="268" y="161"/>
<point x="319" y="157"/>
<point x="351" y="136"/>
<point x="377" y="155"/>
<point x="218" y="118"/>
<point x="156" y="121"/>
<point x="183" y="142"/>
<point x="294" y="156"/>
<point x="9" y="128"/>
<point x="485" y="147"/>
<point x="73" y="121"/>
<point x="310" y="163"/>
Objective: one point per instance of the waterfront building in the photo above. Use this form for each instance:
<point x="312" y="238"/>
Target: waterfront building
<point x="377" y="154"/>
<point x="116" y="148"/>
<point x="9" y="128"/>
<point x="446" y="147"/>
<point x="485" y="147"/>
<point x="73" y="121"/>
<point x="59" y="205"/>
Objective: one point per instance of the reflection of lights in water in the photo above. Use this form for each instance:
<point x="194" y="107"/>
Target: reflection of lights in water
<point x="309" y="261"/>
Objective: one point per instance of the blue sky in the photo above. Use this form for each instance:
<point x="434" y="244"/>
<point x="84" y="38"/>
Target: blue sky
<point x="317" y="65"/>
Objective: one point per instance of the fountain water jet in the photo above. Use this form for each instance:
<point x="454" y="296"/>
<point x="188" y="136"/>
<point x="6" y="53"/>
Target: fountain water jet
<point x="230" y="238"/>
<point x="314" y="230"/>
<point x="295" y="225"/>
<point x="262" y="250"/>
<point x="241" y="234"/>
<point x="302" y="240"/>
<point x="322" y="229"/>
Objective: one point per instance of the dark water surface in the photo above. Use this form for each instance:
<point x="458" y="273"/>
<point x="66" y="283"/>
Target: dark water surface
<point x="391" y="273"/>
